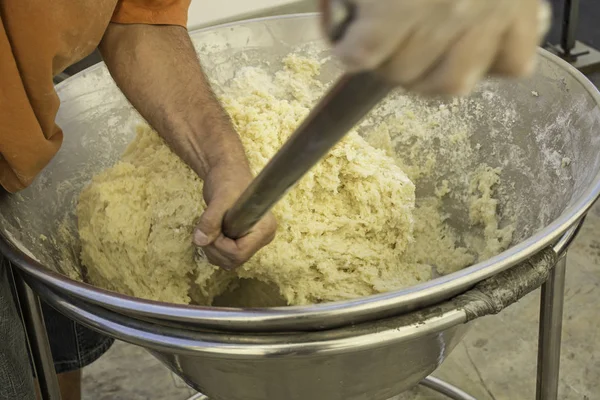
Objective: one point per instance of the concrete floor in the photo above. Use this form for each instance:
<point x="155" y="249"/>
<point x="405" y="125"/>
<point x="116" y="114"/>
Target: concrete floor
<point x="496" y="360"/>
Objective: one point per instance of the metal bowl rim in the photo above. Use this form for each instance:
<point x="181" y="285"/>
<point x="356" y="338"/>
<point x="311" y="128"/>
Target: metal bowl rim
<point x="246" y="346"/>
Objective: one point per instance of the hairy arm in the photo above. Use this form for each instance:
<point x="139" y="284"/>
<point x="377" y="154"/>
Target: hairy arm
<point x="157" y="69"/>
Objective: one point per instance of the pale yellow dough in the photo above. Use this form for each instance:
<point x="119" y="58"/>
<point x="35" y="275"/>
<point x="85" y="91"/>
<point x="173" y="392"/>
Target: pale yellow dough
<point x="347" y="230"/>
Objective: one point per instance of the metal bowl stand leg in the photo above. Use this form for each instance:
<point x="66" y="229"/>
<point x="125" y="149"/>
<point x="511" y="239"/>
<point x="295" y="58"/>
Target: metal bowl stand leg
<point x="549" y="345"/>
<point x="551" y="315"/>
<point x="37" y="337"/>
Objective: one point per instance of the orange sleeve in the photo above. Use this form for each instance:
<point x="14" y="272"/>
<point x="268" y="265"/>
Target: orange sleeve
<point x="29" y="138"/>
<point x="152" y="12"/>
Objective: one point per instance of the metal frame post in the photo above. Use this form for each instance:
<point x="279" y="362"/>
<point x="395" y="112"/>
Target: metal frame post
<point x="550" y="332"/>
<point x="37" y="337"/>
<point x="581" y="56"/>
<point x="569" y="26"/>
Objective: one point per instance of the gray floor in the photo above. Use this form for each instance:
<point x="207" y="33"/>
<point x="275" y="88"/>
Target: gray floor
<point x="496" y="361"/>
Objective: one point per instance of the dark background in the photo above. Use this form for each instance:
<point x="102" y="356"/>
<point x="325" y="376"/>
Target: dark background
<point x="588" y="28"/>
<point x="589" y="22"/>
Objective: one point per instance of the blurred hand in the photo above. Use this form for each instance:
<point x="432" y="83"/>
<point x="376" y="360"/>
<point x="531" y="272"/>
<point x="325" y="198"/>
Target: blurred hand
<point x="440" y="46"/>
<point x="222" y="187"/>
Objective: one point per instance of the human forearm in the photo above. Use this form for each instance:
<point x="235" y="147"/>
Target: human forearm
<point x="157" y="69"/>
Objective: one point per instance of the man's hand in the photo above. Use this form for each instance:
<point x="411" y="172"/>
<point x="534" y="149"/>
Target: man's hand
<point x="222" y="187"/>
<point x="440" y="46"/>
<point x="156" y="67"/>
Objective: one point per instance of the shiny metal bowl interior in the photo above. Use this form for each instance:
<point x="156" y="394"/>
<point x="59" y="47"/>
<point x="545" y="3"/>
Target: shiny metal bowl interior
<point x="527" y="127"/>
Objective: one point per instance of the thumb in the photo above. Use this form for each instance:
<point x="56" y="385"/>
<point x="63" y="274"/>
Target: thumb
<point x="208" y="228"/>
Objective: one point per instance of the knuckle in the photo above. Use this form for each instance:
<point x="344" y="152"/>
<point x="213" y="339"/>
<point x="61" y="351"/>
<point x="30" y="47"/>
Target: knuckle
<point x="520" y="67"/>
<point x="461" y="81"/>
<point x="395" y="72"/>
<point x="357" y="60"/>
<point x="451" y="87"/>
<point x="363" y="53"/>
<point x="208" y="222"/>
<point x="229" y="266"/>
<point x="234" y="257"/>
<point x="212" y="259"/>
<point x="235" y="260"/>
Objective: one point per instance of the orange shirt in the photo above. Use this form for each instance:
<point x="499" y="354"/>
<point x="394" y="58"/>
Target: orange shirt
<point x="39" y="39"/>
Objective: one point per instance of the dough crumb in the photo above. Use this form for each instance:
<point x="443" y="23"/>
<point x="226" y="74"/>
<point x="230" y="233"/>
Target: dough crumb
<point x="484" y="211"/>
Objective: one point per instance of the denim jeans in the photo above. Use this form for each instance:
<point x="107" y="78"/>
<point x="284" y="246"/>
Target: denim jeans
<point x="73" y="346"/>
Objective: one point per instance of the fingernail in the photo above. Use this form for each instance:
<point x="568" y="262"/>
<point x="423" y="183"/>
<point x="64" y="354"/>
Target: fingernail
<point x="200" y="238"/>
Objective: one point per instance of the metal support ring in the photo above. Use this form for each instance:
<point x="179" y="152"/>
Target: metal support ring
<point x="448" y="390"/>
<point x="431" y="382"/>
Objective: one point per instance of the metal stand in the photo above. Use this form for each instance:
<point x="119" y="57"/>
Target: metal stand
<point x="37" y="337"/>
<point x="581" y="56"/>
<point x="551" y="314"/>
<point x="430" y="382"/>
<point x="452" y="392"/>
<point x="549" y="346"/>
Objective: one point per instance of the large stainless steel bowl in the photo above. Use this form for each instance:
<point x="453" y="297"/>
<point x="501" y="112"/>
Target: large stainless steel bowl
<point x="368" y="348"/>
